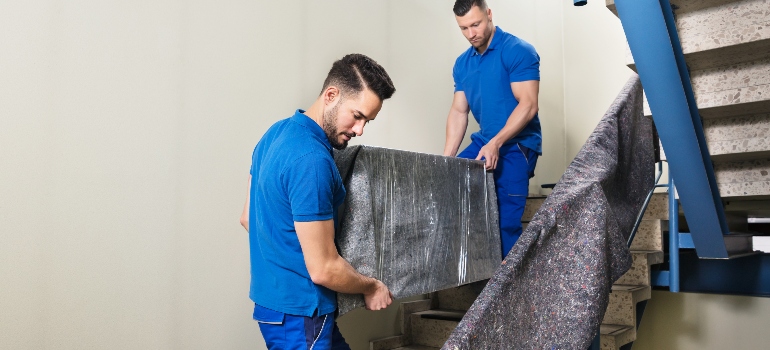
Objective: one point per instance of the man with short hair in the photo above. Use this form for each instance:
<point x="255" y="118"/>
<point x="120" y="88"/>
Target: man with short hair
<point x="295" y="190"/>
<point x="497" y="79"/>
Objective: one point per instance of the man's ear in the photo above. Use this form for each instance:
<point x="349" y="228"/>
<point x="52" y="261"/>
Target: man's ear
<point x="489" y="14"/>
<point x="331" y="95"/>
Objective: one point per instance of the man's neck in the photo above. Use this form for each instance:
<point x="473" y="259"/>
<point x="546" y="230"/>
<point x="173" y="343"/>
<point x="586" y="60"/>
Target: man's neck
<point x="316" y="111"/>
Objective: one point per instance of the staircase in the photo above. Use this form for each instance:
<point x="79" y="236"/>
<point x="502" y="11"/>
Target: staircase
<point x="726" y="44"/>
<point x="426" y="324"/>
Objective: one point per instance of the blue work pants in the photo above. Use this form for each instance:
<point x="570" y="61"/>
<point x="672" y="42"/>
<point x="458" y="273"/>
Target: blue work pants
<point x="290" y="332"/>
<point x="515" y="166"/>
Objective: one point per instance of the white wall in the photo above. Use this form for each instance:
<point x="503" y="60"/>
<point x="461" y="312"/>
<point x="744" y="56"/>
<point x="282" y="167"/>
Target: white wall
<point x="125" y="137"/>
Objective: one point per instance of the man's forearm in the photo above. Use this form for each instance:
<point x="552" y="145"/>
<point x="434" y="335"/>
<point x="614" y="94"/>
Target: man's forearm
<point x="456" y="125"/>
<point x="341" y="277"/>
<point x="519" y="118"/>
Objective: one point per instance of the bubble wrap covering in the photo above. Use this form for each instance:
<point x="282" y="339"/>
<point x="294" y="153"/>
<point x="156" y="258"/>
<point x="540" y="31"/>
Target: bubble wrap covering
<point x="418" y="222"/>
<point x="552" y="289"/>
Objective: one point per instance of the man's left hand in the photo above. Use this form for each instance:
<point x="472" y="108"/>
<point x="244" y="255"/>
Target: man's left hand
<point x="489" y="153"/>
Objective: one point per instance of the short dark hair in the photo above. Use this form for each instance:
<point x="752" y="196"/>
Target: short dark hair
<point x="463" y="6"/>
<point x="356" y="72"/>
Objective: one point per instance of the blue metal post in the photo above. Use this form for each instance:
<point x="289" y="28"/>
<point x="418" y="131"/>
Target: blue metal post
<point x="673" y="237"/>
<point x="654" y="43"/>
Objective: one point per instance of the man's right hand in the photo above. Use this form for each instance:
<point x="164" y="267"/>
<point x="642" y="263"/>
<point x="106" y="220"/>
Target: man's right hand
<point x="379" y="298"/>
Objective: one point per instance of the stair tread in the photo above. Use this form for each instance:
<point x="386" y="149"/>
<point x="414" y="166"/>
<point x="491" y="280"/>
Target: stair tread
<point x="653" y="256"/>
<point x="442" y="314"/>
<point x="613" y="329"/>
<point x="416" y="347"/>
<point x="628" y="288"/>
<point x="682" y="5"/>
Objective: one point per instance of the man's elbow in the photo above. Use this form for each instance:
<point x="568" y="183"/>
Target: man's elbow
<point x="245" y="222"/>
<point x="323" y="273"/>
<point x="321" y="277"/>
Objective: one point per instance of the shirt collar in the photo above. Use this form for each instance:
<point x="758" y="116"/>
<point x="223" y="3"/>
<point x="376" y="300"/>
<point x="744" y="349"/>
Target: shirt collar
<point x="495" y="39"/>
<point x="300" y="118"/>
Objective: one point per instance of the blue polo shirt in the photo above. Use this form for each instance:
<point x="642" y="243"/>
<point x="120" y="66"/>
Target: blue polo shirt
<point x="293" y="178"/>
<point x="486" y="81"/>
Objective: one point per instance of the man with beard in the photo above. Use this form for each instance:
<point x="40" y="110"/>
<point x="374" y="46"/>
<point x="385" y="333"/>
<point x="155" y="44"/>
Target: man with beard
<point x="295" y="190"/>
<point x="497" y="79"/>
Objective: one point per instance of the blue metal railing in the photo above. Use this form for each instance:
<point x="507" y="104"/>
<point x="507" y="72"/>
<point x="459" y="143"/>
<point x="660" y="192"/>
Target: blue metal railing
<point x="640" y="215"/>
<point x="654" y="42"/>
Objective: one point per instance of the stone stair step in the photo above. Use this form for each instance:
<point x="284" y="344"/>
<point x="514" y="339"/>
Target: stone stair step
<point x="650" y="235"/>
<point x="408" y="308"/>
<point x="734" y="90"/>
<point x="416" y="347"/>
<point x="738" y="138"/>
<point x="394" y="342"/>
<point x="459" y="298"/>
<point x="747" y="180"/>
<point x="724" y="33"/>
<point x="433" y="327"/>
<point x="614" y="336"/>
<point x="658" y="207"/>
<point x="720" y="33"/>
<point x="639" y="273"/>
<point x="621" y="309"/>
<point x="682" y="5"/>
<point x="656" y="210"/>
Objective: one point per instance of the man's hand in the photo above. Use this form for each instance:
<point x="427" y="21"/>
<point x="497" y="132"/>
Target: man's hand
<point x="379" y="298"/>
<point x="490" y="153"/>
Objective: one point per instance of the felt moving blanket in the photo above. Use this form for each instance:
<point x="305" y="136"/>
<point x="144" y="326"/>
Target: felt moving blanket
<point x="552" y="289"/>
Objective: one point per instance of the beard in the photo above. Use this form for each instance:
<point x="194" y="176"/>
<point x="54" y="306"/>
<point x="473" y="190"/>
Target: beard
<point x="484" y="39"/>
<point x="330" y="128"/>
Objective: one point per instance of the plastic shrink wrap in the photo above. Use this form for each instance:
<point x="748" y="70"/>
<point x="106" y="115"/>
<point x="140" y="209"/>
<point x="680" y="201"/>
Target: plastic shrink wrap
<point x="417" y="222"/>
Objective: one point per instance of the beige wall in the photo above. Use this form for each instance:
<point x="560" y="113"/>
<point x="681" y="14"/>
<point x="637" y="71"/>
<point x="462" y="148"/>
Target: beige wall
<point x="687" y="321"/>
<point x="126" y="133"/>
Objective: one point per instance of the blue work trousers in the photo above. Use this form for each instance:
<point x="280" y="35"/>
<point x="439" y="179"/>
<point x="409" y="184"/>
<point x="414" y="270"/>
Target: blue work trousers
<point x="290" y="332"/>
<point x="515" y="166"/>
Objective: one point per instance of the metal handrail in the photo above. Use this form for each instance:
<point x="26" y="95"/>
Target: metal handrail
<point x="646" y="203"/>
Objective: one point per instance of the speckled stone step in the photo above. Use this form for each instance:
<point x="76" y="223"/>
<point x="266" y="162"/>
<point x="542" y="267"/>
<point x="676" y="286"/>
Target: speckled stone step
<point x="639" y="273"/>
<point x="417" y="347"/>
<point x="459" y="298"/>
<point x="720" y="33"/>
<point x="658" y="207"/>
<point x="738" y="138"/>
<point x="650" y="235"/>
<point x="615" y="336"/>
<point x="621" y="309"/>
<point x="433" y="327"/>
<point x="746" y="180"/>
<point x="735" y="90"/>
<point x="656" y="210"/>
<point x="682" y="5"/>
<point x="407" y="309"/>
<point x="389" y="343"/>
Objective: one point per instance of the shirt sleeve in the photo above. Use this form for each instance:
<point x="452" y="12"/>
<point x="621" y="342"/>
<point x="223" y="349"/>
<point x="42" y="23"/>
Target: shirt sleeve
<point x="522" y="63"/>
<point x="310" y="186"/>
<point x="455" y="75"/>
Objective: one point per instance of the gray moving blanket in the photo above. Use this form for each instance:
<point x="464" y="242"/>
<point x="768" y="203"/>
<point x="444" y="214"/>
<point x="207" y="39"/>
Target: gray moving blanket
<point x="552" y="289"/>
<point x="418" y="222"/>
